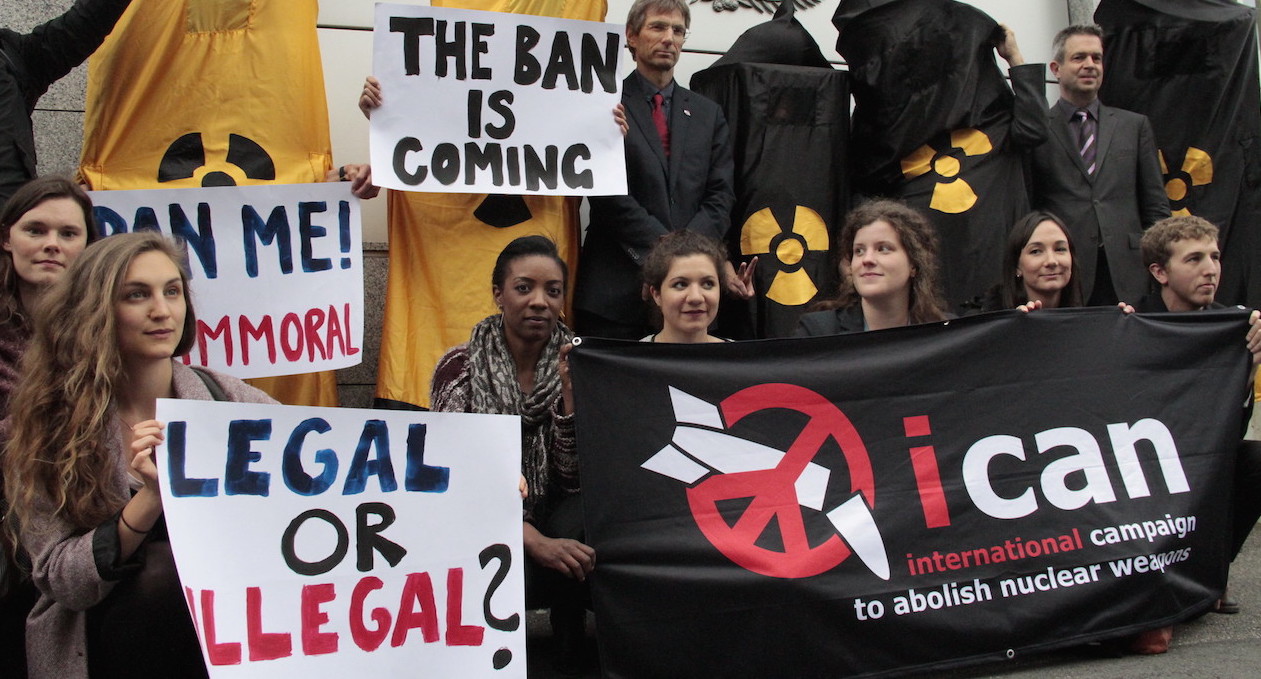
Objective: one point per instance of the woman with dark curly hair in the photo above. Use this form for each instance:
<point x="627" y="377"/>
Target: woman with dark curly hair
<point x="888" y="255"/>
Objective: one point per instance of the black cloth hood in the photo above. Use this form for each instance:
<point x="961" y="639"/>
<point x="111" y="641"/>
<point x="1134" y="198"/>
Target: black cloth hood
<point x="782" y="40"/>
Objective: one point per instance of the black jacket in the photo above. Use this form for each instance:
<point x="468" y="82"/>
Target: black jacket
<point x="29" y="64"/>
<point x="1153" y="303"/>
<point x="831" y="322"/>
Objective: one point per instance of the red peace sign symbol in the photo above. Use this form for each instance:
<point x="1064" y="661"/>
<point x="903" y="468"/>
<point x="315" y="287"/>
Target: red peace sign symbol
<point x="773" y="491"/>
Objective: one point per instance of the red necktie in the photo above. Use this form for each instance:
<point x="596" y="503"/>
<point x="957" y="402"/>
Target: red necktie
<point x="659" y="119"/>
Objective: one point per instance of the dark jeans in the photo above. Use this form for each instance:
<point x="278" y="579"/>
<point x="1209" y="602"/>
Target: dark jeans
<point x="549" y="588"/>
<point x="1247" y="489"/>
<point x="14" y="607"/>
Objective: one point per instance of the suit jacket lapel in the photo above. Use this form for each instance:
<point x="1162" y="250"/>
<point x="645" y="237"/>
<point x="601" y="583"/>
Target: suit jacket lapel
<point x="1064" y="133"/>
<point x="640" y="112"/>
<point x="680" y="126"/>
<point x="1107" y="125"/>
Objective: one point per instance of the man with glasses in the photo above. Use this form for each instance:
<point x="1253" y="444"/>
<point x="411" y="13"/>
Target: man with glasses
<point x="678" y="172"/>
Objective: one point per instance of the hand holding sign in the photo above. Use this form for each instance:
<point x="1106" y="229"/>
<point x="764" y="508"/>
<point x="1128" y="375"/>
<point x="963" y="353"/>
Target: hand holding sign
<point x="142" y="511"/>
<point x="371" y="97"/>
<point x="570" y="557"/>
<point x="145" y="436"/>
<point x="376" y="542"/>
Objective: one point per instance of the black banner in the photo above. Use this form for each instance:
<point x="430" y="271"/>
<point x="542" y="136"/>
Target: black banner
<point x="909" y="499"/>
<point x="936" y="124"/>
<point x="1192" y="69"/>
<point x="788" y="112"/>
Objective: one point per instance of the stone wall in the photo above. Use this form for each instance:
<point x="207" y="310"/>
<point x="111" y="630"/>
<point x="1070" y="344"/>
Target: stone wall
<point x="357" y="385"/>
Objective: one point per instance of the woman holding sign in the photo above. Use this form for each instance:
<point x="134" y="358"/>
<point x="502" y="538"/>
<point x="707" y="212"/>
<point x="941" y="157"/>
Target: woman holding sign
<point x="79" y="466"/>
<point x="514" y="364"/>
<point x="889" y="273"/>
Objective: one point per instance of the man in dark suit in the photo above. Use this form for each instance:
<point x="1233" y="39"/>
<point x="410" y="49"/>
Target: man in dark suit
<point x="1098" y="171"/>
<point x="678" y="172"/>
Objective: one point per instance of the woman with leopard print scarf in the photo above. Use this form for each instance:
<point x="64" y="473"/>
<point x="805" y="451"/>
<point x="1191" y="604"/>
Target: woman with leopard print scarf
<point x="515" y="363"/>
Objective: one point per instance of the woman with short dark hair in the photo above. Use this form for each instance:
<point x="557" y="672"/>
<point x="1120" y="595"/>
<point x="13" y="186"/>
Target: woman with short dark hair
<point x="685" y="273"/>
<point x="515" y="364"/>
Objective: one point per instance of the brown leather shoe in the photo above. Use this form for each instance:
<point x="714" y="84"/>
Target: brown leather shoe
<point x="1226" y="605"/>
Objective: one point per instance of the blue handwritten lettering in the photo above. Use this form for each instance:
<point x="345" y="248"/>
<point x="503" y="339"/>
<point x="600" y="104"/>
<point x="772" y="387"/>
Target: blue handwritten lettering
<point x="275" y="229"/>
<point x="238" y="479"/>
<point x="375" y="434"/>
<point x="295" y="476"/>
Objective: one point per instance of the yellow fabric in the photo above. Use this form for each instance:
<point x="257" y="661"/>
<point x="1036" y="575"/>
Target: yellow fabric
<point x="173" y="68"/>
<point x="441" y="256"/>
<point x="307" y="389"/>
<point x="214" y="67"/>
<point x="586" y="10"/>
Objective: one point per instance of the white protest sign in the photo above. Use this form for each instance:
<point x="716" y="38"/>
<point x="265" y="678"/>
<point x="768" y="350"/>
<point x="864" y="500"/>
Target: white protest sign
<point x="494" y="102"/>
<point x="330" y="542"/>
<point x="277" y="271"/>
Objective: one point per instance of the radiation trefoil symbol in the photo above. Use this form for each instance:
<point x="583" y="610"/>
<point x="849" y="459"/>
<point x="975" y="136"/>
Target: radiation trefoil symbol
<point x="762" y="234"/>
<point x="778" y="484"/>
<point x="1197" y="170"/>
<point x="951" y="194"/>
<point x="186" y="158"/>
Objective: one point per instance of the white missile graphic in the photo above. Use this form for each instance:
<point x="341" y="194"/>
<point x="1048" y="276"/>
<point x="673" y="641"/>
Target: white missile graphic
<point x="700" y="446"/>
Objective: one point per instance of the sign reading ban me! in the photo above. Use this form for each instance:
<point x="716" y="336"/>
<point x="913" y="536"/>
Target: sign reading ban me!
<point x="277" y="271"/>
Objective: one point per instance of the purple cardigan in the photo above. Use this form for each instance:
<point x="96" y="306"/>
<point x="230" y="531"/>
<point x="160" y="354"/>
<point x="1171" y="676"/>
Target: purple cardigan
<point x="65" y="564"/>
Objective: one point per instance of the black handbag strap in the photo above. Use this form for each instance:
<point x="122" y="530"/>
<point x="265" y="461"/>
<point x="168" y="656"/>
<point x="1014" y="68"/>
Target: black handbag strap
<point x="216" y="391"/>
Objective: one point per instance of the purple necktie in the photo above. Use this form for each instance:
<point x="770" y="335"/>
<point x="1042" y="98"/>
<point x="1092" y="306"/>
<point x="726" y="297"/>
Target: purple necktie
<point x="1086" y="138"/>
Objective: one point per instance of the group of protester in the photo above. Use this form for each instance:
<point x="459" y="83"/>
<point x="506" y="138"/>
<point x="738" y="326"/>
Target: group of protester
<point x="657" y="252"/>
<point x="89" y="334"/>
<point x="88" y="342"/>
